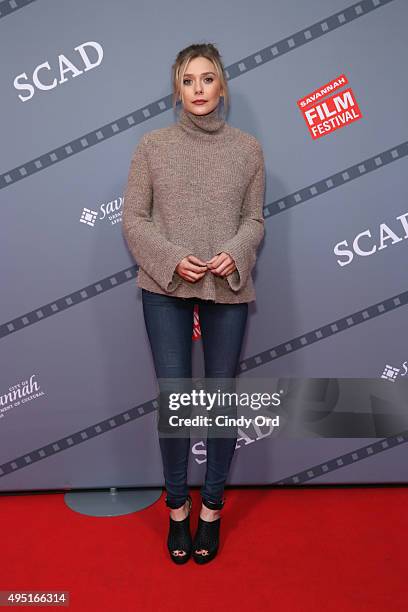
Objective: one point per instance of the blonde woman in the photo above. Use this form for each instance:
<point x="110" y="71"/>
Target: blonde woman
<point x="193" y="220"/>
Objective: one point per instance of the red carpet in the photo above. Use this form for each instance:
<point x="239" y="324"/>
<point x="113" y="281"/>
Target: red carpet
<point x="321" y="548"/>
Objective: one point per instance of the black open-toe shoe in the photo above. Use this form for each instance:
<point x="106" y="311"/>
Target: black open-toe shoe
<point x="179" y="538"/>
<point x="207" y="536"/>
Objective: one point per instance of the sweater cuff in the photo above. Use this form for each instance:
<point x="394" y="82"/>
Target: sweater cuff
<point x="169" y="279"/>
<point x="234" y="280"/>
<point x="244" y="263"/>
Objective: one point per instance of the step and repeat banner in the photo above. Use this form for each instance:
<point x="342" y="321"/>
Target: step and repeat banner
<point x="322" y="85"/>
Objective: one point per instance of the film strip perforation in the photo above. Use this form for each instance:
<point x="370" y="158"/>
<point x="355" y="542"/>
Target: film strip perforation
<point x="325" y="331"/>
<point x="336" y="463"/>
<point x="251" y="62"/>
<point x="77" y="297"/>
<point x="11" y="6"/>
<point x="338" y="179"/>
<point x="78" y="437"/>
<point x="118" y="420"/>
<point x="86" y="141"/>
<point x="285" y="348"/>
<point x="280" y="205"/>
<point x="67" y="301"/>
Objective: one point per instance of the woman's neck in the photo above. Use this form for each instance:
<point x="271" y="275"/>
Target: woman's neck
<point x="204" y="127"/>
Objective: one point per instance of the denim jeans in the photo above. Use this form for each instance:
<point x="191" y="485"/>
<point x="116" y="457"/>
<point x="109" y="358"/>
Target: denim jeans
<point x="169" y="325"/>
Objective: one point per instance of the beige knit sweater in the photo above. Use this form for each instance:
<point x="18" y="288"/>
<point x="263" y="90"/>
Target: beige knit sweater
<point x="195" y="187"/>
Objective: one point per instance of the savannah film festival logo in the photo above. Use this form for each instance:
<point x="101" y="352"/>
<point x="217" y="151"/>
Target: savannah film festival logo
<point x="326" y="109"/>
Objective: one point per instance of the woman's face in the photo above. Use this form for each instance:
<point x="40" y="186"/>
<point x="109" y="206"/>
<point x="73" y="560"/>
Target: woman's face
<point x="200" y="82"/>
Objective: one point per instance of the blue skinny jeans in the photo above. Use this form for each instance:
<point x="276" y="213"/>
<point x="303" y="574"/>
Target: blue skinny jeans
<point x="169" y="326"/>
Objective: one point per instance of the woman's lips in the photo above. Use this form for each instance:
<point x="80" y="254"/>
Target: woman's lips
<point x="200" y="102"/>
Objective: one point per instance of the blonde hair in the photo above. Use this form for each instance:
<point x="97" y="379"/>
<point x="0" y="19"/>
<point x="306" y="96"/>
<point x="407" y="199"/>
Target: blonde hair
<point x="207" y="50"/>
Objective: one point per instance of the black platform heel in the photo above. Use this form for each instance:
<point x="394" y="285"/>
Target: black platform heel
<point x="179" y="537"/>
<point x="207" y="535"/>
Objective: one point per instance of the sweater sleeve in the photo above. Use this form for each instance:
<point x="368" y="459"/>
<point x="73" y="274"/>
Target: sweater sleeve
<point x="151" y="250"/>
<point x="243" y="246"/>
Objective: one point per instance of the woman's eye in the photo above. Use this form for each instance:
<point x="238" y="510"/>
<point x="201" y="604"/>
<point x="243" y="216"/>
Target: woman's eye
<point x="210" y="79"/>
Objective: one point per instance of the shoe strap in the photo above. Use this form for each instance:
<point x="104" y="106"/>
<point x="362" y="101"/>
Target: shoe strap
<point x="187" y="499"/>
<point x="213" y="505"/>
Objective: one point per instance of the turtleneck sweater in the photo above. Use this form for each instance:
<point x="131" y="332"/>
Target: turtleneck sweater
<point x="195" y="188"/>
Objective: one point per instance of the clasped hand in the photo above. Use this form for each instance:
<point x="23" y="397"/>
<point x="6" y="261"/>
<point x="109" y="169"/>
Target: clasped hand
<point x="192" y="268"/>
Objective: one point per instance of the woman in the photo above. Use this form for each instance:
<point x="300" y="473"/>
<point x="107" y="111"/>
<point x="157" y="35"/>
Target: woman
<point x="193" y="220"/>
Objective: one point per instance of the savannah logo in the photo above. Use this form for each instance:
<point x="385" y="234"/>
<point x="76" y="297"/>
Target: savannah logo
<point x="391" y="373"/>
<point x="111" y="211"/>
<point x="21" y="393"/>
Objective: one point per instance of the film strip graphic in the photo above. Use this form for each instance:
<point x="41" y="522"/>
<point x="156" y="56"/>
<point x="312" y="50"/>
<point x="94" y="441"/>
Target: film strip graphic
<point x="118" y="420"/>
<point x="320" y="333"/>
<point x="336" y="463"/>
<point x="281" y="205"/>
<point x="337" y="180"/>
<point x="78" y="437"/>
<point x="267" y="54"/>
<point x="68" y="301"/>
<point x="247" y="364"/>
<point x="11" y="6"/>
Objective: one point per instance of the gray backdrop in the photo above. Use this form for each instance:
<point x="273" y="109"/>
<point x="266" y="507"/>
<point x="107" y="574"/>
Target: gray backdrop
<point x="77" y="383"/>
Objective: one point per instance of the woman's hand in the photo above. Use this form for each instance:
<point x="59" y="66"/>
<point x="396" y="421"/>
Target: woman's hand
<point x="191" y="268"/>
<point x="221" y="264"/>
